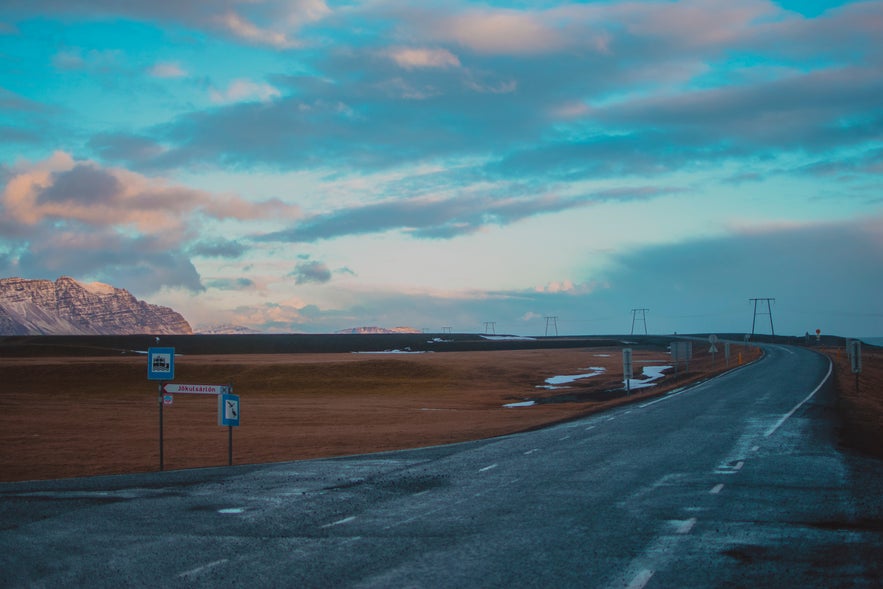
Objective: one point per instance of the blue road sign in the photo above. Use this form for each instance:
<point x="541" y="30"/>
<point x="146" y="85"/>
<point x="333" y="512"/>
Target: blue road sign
<point x="228" y="410"/>
<point x="160" y="363"/>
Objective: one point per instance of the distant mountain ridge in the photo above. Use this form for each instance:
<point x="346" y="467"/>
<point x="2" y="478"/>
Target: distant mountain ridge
<point x="68" y="307"/>
<point x="374" y="329"/>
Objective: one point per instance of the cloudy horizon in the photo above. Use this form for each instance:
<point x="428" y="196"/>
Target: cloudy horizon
<point x="312" y="166"/>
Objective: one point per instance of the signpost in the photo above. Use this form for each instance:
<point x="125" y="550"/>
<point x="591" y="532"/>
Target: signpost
<point x="161" y="366"/>
<point x="712" y="339"/>
<point x="228" y="414"/>
<point x="627" y="372"/>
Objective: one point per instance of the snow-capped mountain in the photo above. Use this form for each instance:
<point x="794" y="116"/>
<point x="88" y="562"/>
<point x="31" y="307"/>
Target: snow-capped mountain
<point x="68" y="307"/>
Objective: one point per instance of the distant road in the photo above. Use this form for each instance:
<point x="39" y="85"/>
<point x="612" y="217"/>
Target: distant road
<point x="736" y="482"/>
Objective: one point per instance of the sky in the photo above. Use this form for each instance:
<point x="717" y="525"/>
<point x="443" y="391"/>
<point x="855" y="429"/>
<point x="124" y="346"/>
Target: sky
<point x="531" y="168"/>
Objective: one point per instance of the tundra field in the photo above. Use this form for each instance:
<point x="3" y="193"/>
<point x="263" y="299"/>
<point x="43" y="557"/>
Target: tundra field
<point x="80" y="415"/>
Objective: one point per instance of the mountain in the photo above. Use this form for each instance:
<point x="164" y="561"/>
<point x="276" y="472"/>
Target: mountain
<point x="227" y="329"/>
<point x="379" y="330"/>
<point x="68" y="307"/>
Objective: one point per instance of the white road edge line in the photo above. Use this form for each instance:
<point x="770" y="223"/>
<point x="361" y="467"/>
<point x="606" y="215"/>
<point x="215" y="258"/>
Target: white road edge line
<point x="345" y="520"/>
<point x="773" y="429"/>
<point x="487" y="468"/>
<point x="641" y="579"/>
<point x="204" y="567"/>
<point x="665" y="398"/>
<point x="717" y="489"/>
<point x="687" y="526"/>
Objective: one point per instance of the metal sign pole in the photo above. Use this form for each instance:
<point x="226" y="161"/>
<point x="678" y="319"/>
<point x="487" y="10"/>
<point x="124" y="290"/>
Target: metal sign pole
<point x="161" y="465"/>
<point x="229" y="445"/>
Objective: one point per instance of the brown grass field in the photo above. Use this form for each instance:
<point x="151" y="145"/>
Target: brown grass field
<point x="82" y="416"/>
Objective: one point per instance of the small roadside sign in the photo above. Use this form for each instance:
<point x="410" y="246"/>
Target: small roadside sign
<point x="160" y="363"/>
<point x="167" y="400"/>
<point x="228" y="410"/>
<point x="855" y="356"/>
<point x="195" y="389"/>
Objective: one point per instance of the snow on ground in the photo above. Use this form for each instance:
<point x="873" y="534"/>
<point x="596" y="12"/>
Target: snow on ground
<point x="554" y="381"/>
<point x="507" y="337"/>
<point x="521" y="404"/>
<point x="405" y="351"/>
<point x="652" y="373"/>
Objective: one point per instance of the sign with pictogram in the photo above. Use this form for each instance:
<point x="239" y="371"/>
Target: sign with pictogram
<point x="228" y="410"/>
<point x="160" y="363"/>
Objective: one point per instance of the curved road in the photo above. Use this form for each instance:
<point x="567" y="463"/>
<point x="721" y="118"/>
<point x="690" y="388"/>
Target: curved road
<point x="735" y="482"/>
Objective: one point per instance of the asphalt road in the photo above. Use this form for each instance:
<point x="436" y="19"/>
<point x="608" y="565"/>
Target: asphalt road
<point x="736" y="482"/>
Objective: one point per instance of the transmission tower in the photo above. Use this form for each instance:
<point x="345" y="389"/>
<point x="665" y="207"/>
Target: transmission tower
<point x="490" y="328"/>
<point x="769" y="311"/>
<point x="643" y="319"/>
<point x="553" y="321"/>
<point x="446" y="330"/>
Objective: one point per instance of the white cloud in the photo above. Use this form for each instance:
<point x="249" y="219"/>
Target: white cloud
<point x="167" y="70"/>
<point x="420" y="57"/>
<point x="243" y="90"/>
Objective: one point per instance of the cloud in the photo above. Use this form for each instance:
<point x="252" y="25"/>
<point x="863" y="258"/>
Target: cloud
<point x="272" y="23"/>
<point x="79" y="218"/>
<point x="218" y="248"/>
<point x="166" y="70"/>
<point x="88" y="193"/>
<point x="313" y="271"/>
<point x="441" y="218"/>
<point x="126" y="148"/>
<point x="820" y="273"/>
<point x="95" y="61"/>
<point x="419" y="57"/>
<point x="243" y="90"/>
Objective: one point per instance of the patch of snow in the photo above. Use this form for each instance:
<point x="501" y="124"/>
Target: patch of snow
<point x="508" y="337"/>
<point x="405" y="351"/>
<point x="438" y="340"/>
<point x="564" y="379"/>
<point x="652" y="373"/>
<point x="521" y="404"/>
<point x="602" y="355"/>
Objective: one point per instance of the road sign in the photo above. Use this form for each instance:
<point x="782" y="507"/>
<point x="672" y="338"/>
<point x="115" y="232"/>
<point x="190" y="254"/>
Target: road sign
<point x="160" y="363"/>
<point x="228" y="409"/>
<point x="627" y="363"/>
<point x="855" y="356"/>
<point x="195" y="389"/>
<point x="167" y="400"/>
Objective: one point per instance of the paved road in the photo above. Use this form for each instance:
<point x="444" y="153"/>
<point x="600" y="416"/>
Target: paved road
<point x="736" y="482"/>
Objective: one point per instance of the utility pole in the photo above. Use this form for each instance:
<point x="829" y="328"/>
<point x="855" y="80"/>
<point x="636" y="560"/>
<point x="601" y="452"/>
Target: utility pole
<point x="769" y="311"/>
<point x="554" y="322"/>
<point x="643" y="319"/>
<point x="490" y="327"/>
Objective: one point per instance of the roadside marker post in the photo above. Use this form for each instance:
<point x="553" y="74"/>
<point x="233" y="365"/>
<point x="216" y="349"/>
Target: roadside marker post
<point x="855" y="359"/>
<point x="627" y="371"/>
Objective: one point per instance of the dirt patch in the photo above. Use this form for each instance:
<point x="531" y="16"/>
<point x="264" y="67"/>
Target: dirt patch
<point x="77" y="416"/>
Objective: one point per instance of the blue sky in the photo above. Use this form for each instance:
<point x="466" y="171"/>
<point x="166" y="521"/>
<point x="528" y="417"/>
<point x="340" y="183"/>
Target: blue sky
<point x="310" y="166"/>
